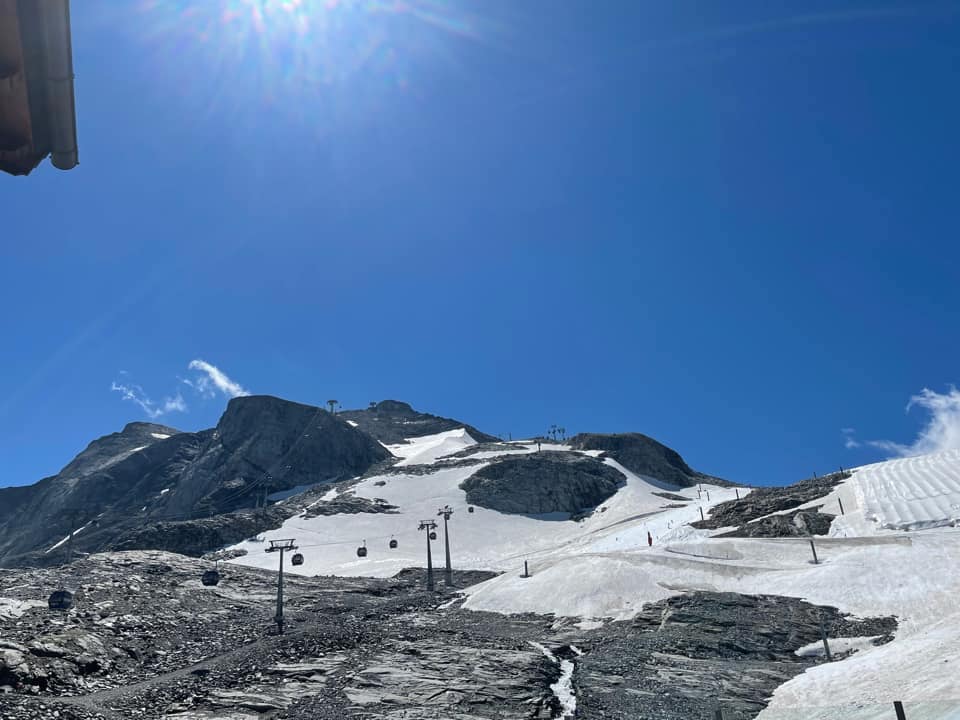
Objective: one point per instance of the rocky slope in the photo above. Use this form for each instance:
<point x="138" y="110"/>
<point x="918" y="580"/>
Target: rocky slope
<point x="146" y="640"/>
<point x="151" y="474"/>
<point x="393" y="422"/>
<point x="644" y="456"/>
<point x="767" y="500"/>
<point x="689" y="656"/>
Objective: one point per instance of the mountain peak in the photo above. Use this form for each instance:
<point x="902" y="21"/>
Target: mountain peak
<point x="394" y="407"/>
<point x="139" y="428"/>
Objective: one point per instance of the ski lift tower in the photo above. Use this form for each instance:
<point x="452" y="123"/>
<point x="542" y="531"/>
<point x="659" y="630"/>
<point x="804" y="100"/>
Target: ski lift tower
<point x="430" y="526"/>
<point x="280" y="546"/>
<point x="446" y="511"/>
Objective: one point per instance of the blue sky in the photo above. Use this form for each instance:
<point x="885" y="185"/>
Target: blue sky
<point x="732" y="226"/>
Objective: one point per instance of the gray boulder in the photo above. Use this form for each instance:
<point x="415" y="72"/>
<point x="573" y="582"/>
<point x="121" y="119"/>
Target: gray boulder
<point x="549" y="482"/>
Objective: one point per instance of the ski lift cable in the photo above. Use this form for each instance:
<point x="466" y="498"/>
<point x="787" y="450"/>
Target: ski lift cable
<point x="346" y="542"/>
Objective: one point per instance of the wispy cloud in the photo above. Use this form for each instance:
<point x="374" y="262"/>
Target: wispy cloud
<point x="207" y="382"/>
<point x="153" y="410"/>
<point x="941" y="431"/>
<point x="849" y="438"/>
<point x="213" y="377"/>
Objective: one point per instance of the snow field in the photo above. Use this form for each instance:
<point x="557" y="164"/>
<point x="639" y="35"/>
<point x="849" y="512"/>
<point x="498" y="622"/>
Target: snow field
<point x="602" y="567"/>
<point x="481" y="540"/>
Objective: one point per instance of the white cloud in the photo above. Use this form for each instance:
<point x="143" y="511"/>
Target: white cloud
<point x="941" y="431"/>
<point x="849" y="439"/>
<point x="215" y="377"/>
<point x="207" y="383"/>
<point x="135" y="394"/>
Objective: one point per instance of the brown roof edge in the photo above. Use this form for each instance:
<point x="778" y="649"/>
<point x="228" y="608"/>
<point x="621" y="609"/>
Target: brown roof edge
<point x="61" y="104"/>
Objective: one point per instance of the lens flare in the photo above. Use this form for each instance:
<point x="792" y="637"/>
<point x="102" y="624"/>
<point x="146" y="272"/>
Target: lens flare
<point x="302" y="57"/>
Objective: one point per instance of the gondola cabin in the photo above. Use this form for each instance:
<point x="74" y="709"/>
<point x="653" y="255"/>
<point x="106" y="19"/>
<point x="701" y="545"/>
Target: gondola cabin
<point x="297" y="559"/>
<point x="393" y="544"/>
<point x="60" y="600"/>
<point x="470" y="508"/>
<point x="211" y="578"/>
<point x="433" y="536"/>
<point x="362" y="551"/>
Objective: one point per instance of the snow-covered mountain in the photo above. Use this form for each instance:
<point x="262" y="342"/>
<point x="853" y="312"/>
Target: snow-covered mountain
<point x="634" y="580"/>
<point x="893" y="550"/>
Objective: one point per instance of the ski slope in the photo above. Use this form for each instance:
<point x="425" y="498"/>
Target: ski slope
<point x="480" y="540"/>
<point x="895" y="551"/>
<point x="429" y="449"/>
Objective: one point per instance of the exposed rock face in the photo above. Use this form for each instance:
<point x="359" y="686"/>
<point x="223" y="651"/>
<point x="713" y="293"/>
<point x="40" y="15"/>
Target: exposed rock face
<point x="392" y="422"/>
<point x="767" y="500"/>
<point x="793" y="524"/>
<point x="109" y="449"/>
<point x="151" y="481"/>
<point x="549" y="482"/>
<point x="264" y="443"/>
<point x="644" y="456"/>
<point x="686" y="656"/>
<point x="108" y="483"/>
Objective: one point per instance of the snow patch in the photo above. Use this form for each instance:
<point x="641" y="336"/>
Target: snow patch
<point x="159" y="436"/>
<point x="837" y="646"/>
<point x="430" y="448"/>
<point x="60" y="544"/>
<point x="11" y="608"/>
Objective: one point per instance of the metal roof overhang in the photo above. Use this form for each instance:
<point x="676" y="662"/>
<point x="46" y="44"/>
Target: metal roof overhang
<point x="36" y="85"/>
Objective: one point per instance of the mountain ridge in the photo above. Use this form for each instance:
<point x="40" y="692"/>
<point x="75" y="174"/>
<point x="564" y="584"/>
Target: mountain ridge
<point x="152" y="486"/>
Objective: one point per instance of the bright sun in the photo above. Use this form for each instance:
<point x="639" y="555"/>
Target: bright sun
<point x="309" y="53"/>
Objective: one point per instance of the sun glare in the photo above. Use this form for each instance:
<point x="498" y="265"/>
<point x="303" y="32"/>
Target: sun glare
<point x="307" y="52"/>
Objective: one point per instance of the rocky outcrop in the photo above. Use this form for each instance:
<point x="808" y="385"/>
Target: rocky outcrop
<point x="768" y="500"/>
<point x="262" y="445"/>
<point x="540" y="483"/>
<point x="798" y="523"/>
<point x="96" y="494"/>
<point x="98" y="456"/>
<point x="687" y="656"/>
<point x="393" y="422"/>
<point x="644" y="456"/>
